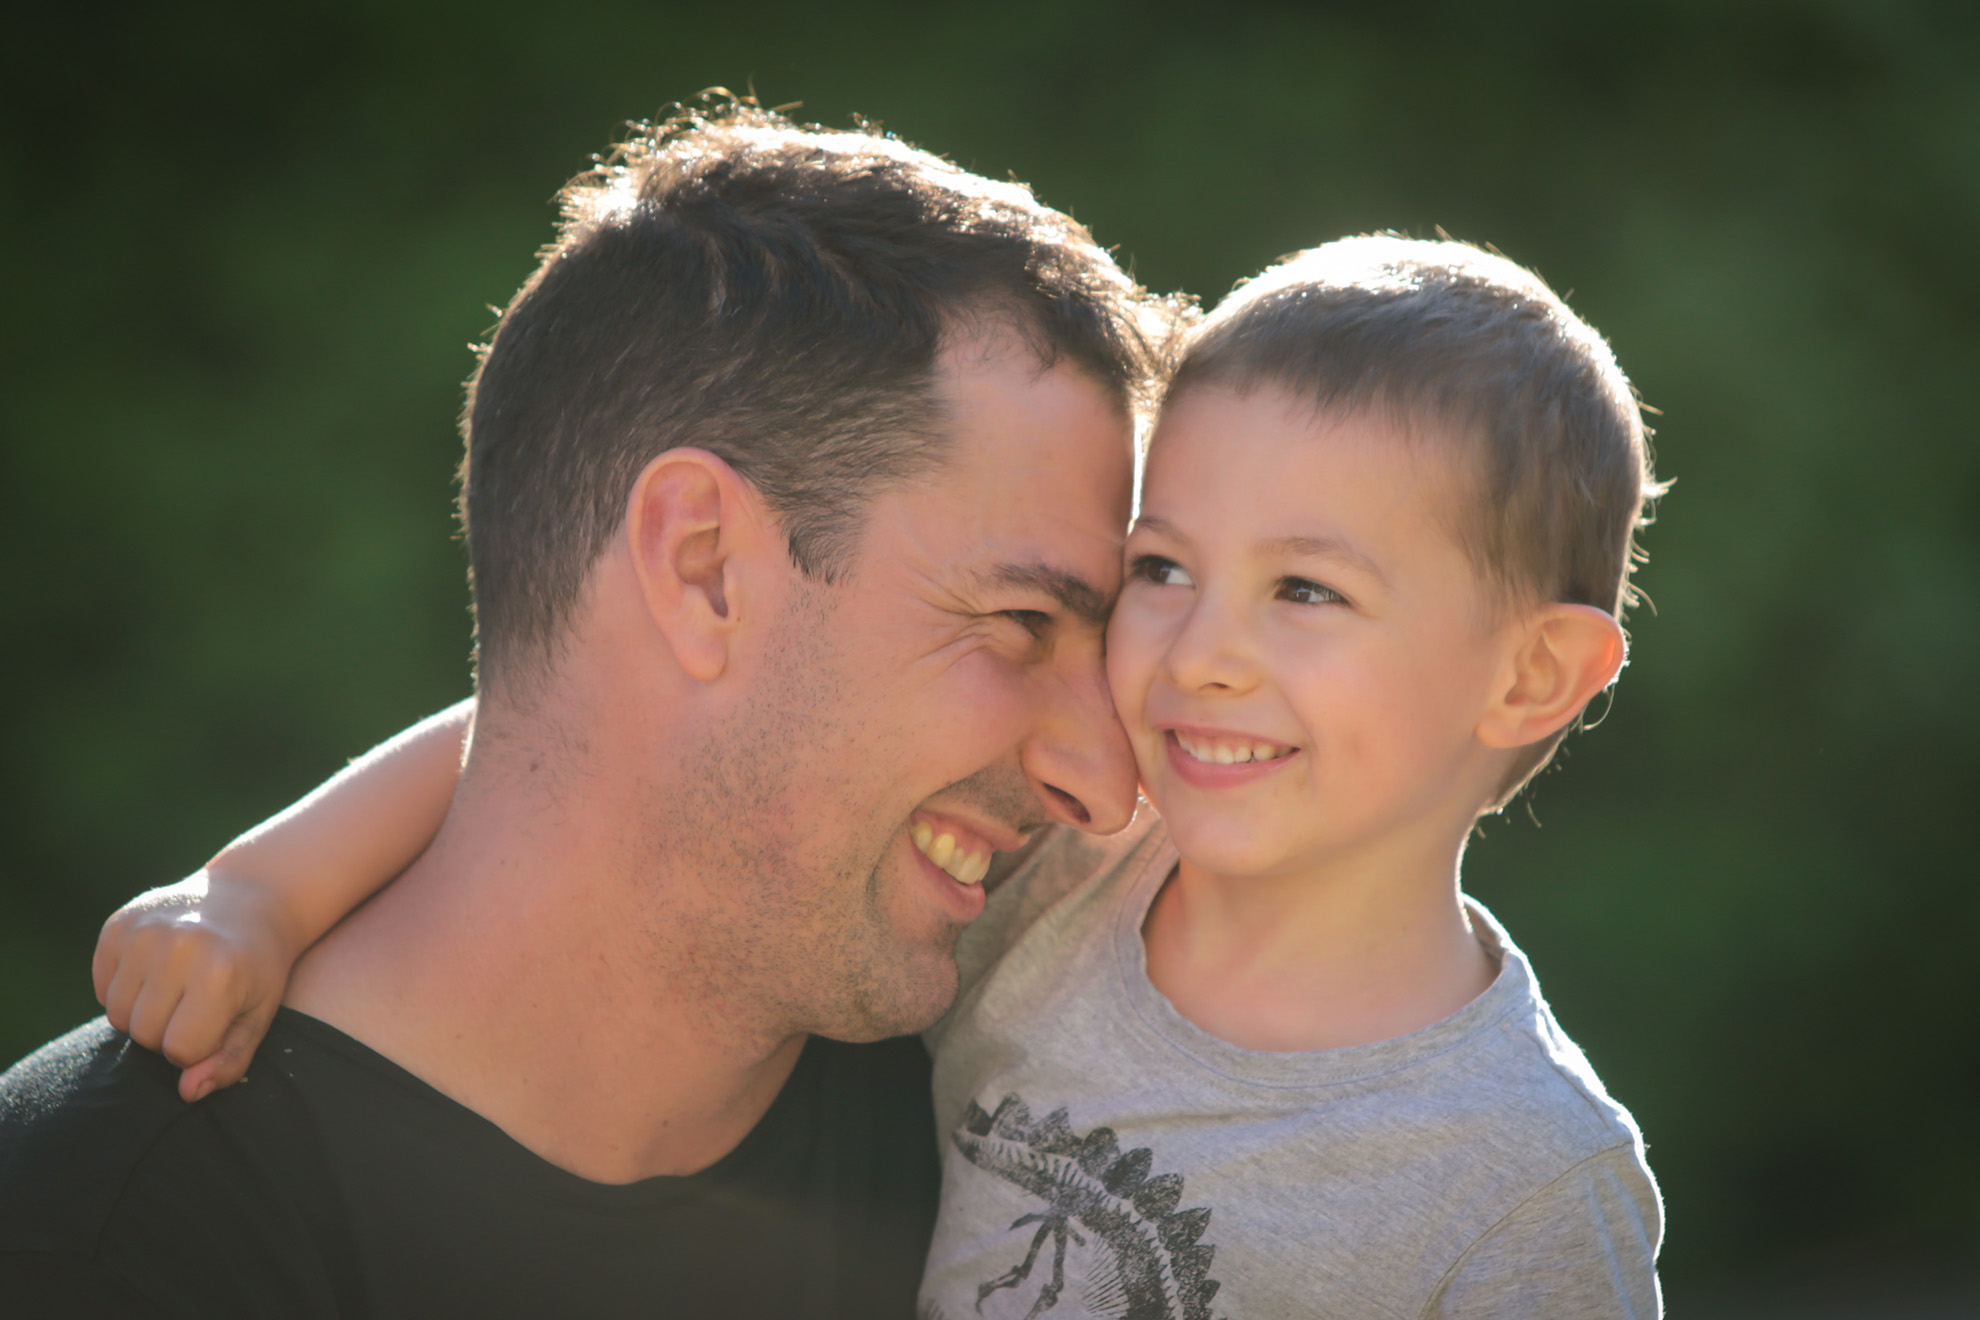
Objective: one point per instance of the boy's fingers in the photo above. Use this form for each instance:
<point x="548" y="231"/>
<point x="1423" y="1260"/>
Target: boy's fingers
<point x="112" y="943"/>
<point x="197" y="1082"/>
<point x="243" y="1039"/>
<point x="229" y="1063"/>
<point x="103" y="968"/>
<point x="140" y="965"/>
<point x="123" y="992"/>
<point x="196" y="1030"/>
<point x="152" y="1012"/>
<point x="212" y="1000"/>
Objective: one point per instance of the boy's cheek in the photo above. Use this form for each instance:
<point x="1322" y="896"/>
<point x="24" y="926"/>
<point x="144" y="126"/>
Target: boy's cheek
<point x="1127" y="676"/>
<point x="1130" y="675"/>
<point x="1133" y="658"/>
<point x="1149" y="759"/>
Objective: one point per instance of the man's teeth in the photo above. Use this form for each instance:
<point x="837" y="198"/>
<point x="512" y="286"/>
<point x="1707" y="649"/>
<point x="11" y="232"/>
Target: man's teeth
<point x="1230" y="751"/>
<point x="966" y="868"/>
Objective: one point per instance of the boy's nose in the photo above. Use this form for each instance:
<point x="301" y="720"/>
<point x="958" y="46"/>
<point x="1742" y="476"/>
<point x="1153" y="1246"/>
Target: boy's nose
<point x="1210" y="651"/>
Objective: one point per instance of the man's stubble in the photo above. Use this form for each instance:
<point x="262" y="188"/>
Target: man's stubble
<point x="788" y="820"/>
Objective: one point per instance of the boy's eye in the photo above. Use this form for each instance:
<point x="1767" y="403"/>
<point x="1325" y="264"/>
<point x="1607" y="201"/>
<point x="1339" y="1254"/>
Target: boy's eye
<point x="1305" y="591"/>
<point x="1162" y="572"/>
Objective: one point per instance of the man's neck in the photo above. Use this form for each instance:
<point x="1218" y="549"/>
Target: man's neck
<point x="524" y="969"/>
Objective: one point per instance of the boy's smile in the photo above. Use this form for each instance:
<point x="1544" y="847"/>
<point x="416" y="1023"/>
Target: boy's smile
<point x="1302" y="648"/>
<point x="1215" y="758"/>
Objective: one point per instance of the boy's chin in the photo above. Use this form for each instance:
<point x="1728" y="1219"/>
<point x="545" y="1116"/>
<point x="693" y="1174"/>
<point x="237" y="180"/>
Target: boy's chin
<point x="1220" y="846"/>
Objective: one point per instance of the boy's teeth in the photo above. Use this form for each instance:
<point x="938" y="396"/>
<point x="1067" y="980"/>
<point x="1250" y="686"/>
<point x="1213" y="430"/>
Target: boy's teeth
<point x="1225" y="751"/>
<point x="967" y="868"/>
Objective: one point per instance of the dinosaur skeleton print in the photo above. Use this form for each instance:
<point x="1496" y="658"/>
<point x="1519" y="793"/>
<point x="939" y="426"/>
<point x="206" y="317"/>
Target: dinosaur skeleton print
<point x="1106" y="1226"/>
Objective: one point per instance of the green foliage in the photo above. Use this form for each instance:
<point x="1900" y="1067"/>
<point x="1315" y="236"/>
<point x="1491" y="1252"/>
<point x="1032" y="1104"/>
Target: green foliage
<point x="251" y="244"/>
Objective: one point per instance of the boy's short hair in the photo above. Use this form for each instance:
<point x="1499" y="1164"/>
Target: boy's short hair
<point x="1470" y="351"/>
<point x="775" y="293"/>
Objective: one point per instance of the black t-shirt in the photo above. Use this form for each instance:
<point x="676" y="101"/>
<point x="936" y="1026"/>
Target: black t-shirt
<point x="332" y="1182"/>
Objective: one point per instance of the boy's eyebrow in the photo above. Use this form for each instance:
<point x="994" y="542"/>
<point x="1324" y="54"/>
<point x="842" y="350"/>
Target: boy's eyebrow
<point x="1323" y="547"/>
<point x="1074" y="593"/>
<point x="1161" y="526"/>
<point x="1320" y="547"/>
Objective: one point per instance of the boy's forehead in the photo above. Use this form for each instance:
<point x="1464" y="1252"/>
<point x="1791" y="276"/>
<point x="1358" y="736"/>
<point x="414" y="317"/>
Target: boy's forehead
<point x="1270" y="467"/>
<point x="1296" y="449"/>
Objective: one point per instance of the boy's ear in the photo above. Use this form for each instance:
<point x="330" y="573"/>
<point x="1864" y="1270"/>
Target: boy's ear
<point x="694" y="527"/>
<point x="1562" y="656"/>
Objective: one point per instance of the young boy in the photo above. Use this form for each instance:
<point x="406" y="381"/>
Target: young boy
<point x="1263" y="1041"/>
<point x="1258" y="1055"/>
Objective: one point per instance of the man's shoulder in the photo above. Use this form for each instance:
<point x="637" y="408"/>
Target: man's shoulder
<point x="214" y="1208"/>
<point x="39" y="1092"/>
<point x="76" y="1117"/>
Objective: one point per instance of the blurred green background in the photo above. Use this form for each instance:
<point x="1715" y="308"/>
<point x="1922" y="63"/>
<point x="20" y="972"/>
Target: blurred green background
<point x="250" y="245"/>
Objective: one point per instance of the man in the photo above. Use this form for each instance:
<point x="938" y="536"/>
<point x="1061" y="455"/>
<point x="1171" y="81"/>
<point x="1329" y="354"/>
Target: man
<point x="796" y="479"/>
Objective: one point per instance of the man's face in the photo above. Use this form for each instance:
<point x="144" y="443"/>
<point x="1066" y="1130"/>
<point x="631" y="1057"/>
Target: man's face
<point x="952" y="687"/>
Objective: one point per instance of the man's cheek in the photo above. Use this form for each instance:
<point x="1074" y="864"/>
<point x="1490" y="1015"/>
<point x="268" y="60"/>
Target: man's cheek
<point x="988" y="706"/>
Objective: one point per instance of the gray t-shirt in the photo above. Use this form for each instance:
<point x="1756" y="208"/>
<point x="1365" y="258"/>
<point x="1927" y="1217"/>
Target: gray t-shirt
<point x="1103" y="1156"/>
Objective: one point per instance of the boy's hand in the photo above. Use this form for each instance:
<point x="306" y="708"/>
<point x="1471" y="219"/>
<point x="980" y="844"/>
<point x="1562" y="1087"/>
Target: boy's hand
<point x="196" y="972"/>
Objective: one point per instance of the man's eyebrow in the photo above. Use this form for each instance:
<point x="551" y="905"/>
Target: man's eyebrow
<point x="1078" y="596"/>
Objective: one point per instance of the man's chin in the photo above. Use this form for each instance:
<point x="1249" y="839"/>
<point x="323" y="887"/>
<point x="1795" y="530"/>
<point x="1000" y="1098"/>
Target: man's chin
<point x="908" y="999"/>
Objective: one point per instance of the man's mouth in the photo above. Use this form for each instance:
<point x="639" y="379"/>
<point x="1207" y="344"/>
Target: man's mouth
<point x="963" y="863"/>
<point x="1222" y="750"/>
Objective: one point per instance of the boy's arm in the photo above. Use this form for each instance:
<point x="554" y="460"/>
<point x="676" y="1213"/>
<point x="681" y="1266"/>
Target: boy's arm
<point x="197" y="969"/>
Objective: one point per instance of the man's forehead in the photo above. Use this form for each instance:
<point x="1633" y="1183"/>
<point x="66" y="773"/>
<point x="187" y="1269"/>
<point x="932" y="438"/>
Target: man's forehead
<point x="1013" y="420"/>
<point x="998" y="356"/>
<point x="1032" y="490"/>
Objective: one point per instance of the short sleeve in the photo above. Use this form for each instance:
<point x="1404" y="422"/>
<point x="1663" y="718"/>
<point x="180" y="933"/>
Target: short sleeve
<point x="1583" y="1246"/>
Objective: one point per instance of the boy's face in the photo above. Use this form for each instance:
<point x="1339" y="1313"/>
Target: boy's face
<point x="1302" y="650"/>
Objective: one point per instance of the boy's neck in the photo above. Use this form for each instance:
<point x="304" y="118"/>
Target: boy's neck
<point x="1371" y="948"/>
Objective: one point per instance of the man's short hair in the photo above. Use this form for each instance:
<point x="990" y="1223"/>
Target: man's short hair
<point x="1473" y="353"/>
<point x="779" y="295"/>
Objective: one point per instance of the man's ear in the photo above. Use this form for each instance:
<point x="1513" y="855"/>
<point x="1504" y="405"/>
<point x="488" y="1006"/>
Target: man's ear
<point x="1561" y="656"/>
<point x="693" y="525"/>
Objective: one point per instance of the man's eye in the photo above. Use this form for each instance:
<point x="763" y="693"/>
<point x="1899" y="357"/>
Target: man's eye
<point x="1035" y="622"/>
<point x="1162" y="572"/>
<point x="1305" y="591"/>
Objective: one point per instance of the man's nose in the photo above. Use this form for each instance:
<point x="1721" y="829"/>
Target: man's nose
<point x="1079" y="757"/>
